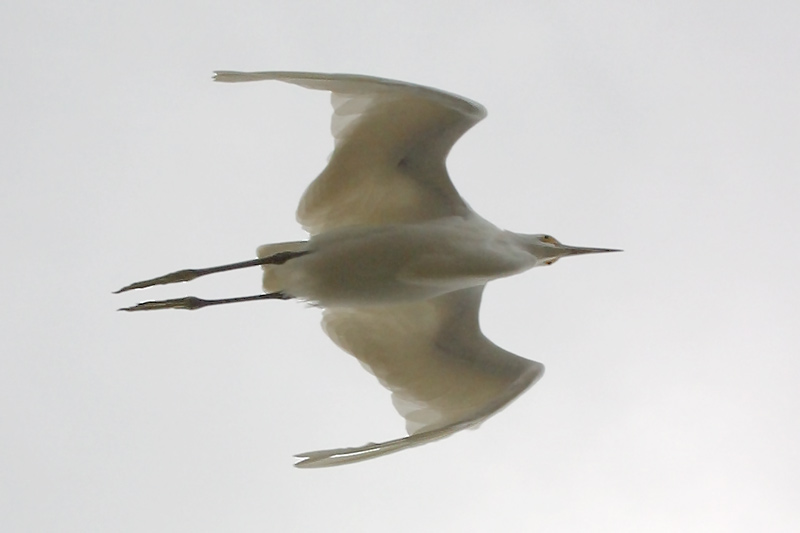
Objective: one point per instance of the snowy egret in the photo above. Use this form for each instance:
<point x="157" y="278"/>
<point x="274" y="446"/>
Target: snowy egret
<point x="396" y="259"/>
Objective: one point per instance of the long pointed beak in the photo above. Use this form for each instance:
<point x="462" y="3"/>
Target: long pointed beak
<point x="578" y="250"/>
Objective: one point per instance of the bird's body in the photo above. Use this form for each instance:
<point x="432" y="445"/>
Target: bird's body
<point x="397" y="260"/>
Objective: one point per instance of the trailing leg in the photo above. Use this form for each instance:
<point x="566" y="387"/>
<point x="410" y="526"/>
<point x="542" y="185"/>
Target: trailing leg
<point x="191" y="302"/>
<point x="193" y="273"/>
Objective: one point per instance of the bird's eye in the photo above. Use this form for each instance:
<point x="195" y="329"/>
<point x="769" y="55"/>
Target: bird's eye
<point x="549" y="239"/>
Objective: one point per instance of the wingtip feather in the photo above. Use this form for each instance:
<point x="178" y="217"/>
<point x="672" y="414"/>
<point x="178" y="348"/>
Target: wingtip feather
<point x="343" y="456"/>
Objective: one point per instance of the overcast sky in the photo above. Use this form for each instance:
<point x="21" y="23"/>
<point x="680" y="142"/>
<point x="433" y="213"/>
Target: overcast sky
<point x="670" y="401"/>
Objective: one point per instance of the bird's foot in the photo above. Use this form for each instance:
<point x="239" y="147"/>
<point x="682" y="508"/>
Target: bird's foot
<point x="173" y="277"/>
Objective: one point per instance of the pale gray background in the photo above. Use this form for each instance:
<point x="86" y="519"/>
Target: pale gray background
<point x="669" y="129"/>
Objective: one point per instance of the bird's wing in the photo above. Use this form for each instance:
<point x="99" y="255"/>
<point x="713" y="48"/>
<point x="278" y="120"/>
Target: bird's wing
<point x="391" y="142"/>
<point x="444" y="374"/>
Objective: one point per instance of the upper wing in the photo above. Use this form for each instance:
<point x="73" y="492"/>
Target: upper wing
<point x="391" y="141"/>
<point x="444" y="374"/>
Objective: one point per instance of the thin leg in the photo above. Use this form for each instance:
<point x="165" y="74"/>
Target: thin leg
<point x="192" y="273"/>
<point x="191" y="302"/>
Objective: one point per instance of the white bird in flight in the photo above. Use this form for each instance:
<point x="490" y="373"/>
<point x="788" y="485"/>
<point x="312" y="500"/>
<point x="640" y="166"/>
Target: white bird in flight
<point x="396" y="259"/>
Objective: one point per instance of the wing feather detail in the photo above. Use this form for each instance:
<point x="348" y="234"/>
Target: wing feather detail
<point x="391" y="142"/>
<point x="444" y="374"/>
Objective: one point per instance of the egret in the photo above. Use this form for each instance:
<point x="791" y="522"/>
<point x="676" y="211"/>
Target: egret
<point x="396" y="259"/>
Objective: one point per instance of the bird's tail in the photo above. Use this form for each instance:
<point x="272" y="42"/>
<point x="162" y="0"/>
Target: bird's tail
<point x="269" y="279"/>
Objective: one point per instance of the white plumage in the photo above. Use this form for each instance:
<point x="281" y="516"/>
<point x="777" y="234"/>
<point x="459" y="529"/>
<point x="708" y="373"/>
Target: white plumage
<point x="397" y="259"/>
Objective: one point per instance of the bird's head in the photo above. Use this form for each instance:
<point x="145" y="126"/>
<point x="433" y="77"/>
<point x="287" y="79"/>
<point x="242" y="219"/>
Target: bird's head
<point x="547" y="249"/>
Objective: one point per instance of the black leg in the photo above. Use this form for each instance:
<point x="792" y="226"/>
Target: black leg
<point x="191" y="302"/>
<point x="193" y="273"/>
